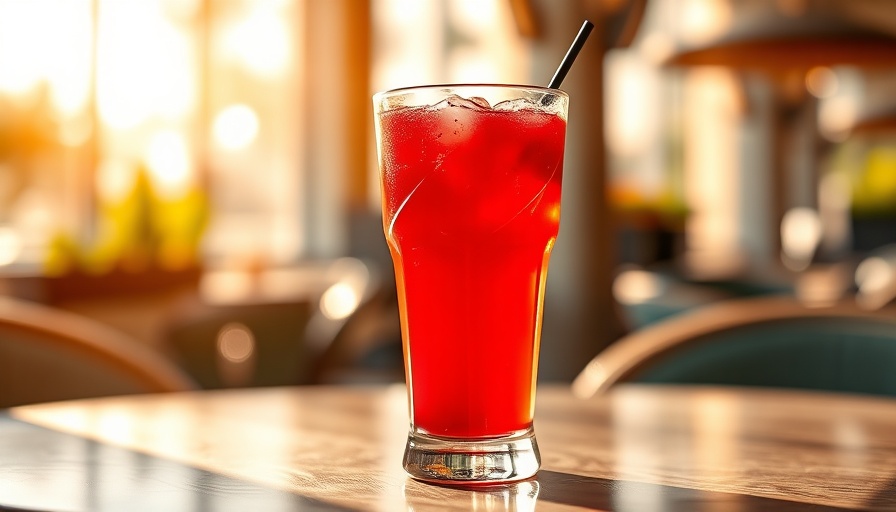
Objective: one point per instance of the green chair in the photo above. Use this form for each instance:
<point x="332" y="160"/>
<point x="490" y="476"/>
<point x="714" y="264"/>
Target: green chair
<point x="765" y="342"/>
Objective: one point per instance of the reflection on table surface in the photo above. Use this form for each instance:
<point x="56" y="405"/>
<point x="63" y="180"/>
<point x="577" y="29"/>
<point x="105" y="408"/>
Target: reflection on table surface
<point x="327" y="448"/>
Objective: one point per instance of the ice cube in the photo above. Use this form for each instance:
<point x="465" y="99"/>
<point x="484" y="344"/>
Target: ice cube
<point x="456" y="119"/>
<point x="474" y="103"/>
<point x="482" y="102"/>
<point x="516" y="105"/>
<point x="547" y="104"/>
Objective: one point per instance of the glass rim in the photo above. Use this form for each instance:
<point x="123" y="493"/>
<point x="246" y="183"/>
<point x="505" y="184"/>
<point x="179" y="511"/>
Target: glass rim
<point x="447" y="86"/>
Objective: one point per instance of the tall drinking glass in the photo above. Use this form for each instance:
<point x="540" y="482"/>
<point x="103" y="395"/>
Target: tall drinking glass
<point x="470" y="178"/>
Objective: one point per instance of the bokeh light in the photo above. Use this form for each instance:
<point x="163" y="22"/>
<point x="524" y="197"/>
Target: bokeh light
<point x="822" y="82"/>
<point x="704" y="20"/>
<point x="261" y="41"/>
<point x="168" y="160"/>
<point x="635" y="286"/>
<point x="339" y="301"/>
<point x="800" y="236"/>
<point x="10" y="245"/>
<point x="144" y="65"/>
<point x="236" y="343"/>
<point x="115" y="179"/>
<point x="235" y="127"/>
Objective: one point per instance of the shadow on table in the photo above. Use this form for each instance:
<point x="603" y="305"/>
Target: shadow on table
<point x="625" y="496"/>
<point x="885" y="499"/>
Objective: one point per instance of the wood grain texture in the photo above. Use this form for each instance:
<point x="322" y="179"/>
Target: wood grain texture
<point x="636" y="448"/>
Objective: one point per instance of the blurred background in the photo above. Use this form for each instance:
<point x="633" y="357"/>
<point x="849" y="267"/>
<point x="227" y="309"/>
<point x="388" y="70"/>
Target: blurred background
<point x="200" y="174"/>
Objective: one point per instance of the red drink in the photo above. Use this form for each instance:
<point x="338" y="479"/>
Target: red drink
<point x="471" y="202"/>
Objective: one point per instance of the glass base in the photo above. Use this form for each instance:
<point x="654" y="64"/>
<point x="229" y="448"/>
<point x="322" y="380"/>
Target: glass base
<point x="471" y="461"/>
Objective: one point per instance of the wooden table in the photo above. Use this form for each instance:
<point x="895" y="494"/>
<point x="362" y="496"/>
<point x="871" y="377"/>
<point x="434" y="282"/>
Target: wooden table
<point x="326" y="448"/>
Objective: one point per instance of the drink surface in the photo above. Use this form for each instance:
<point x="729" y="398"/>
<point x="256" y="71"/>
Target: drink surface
<point x="471" y="200"/>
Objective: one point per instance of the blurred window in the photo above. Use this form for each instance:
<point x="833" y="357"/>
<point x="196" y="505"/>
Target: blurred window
<point x="131" y="128"/>
<point x="141" y="134"/>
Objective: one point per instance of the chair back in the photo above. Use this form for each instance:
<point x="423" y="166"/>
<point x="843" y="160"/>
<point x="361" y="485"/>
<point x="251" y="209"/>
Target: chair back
<point x="767" y="342"/>
<point x="47" y="354"/>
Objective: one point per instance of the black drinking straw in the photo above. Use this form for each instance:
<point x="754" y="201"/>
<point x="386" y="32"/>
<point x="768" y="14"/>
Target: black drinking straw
<point x="571" y="54"/>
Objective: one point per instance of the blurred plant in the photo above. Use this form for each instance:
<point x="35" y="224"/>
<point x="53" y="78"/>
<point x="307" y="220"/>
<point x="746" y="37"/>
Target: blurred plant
<point x="874" y="188"/>
<point x="138" y="232"/>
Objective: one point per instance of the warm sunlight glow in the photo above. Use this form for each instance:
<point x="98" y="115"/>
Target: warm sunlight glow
<point x="657" y="46"/>
<point x="10" y="246"/>
<point x="36" y="48"/>
<point x="469" y="65"/>
<point x="168" y="160"/>
<point x="632" y="120"/>
<point x="68" y="61"/>
<point x="406" y="12"/>
<point x="22" y="48"/>
<point x="115" y="179"/>
<point x="144" y="66"/>
<point x="474" y="13"/>
<point x="181" y="9"/>
<point x="235" y="127"/>
<point x="261" y="41"/>
<point x="712" y="167"/>
<point x="704" y="20"/>
<point x="116" y="426"/>
<point x="125" y="59"/>
<point x="75" y="131"/>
